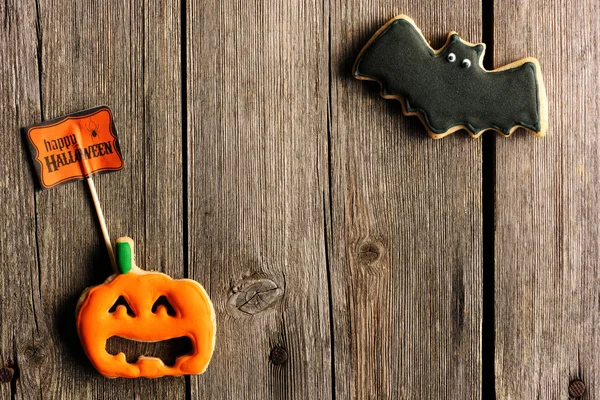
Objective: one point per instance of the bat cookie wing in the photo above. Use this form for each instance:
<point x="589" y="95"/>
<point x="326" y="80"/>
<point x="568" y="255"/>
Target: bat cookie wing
<point x="448" y="89"/>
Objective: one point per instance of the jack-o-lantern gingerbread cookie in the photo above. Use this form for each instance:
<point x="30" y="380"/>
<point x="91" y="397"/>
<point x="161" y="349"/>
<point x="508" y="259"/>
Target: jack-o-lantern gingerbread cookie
<point x="146" y="320"/>
<point x="448" y="89"/>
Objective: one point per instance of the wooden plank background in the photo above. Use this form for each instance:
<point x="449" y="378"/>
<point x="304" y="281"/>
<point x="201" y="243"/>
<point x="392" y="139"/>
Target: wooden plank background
<point x="19" y="273"/>
<point x="406" y="259"/>
<point x="319" y="218"/>
<point x="547" y="246"/>
<point x="257" y="122"/>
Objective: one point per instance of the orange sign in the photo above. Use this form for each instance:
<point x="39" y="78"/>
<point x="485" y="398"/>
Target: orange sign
<point x="75" y="146"/>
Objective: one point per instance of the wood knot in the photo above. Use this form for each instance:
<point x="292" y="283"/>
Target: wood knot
<point x="6" y="374"/>
<point x="369" y="253"/>
<point x="35" y="354"/>
<point x="253" y="296"/>
<point x="576" y="388"/>
<point x="278" y="356"/>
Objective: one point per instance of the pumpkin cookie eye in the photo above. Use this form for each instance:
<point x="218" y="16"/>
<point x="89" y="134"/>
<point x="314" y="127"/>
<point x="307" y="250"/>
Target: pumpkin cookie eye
<point x="466" y="63"/>
<point x="122" y="302"/>
<point x="163" y="302"/>
<point x="451" y="57"/>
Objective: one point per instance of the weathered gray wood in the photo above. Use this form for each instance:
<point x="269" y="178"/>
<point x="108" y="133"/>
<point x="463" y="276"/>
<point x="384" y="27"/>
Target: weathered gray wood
<point x="19" y="291"/>
<point x="257" y="125"/>
<point x="396" y="232"/>
<point x="547" y="242"/>
<point x="125" y="55"/>
<point x="406" y="260"/>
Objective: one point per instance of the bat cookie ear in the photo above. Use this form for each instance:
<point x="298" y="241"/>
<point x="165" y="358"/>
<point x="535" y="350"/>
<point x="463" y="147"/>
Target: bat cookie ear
<point x="479" y="49"/>
<point x="454" y="37"/>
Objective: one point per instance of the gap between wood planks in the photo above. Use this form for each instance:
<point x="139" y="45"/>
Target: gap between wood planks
<point x="184" y="167"/>
<point x="328" y="222"/>
<point x="488" y="200"/>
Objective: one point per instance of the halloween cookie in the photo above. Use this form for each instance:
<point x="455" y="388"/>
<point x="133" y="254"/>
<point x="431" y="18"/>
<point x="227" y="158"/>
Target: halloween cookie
<point x="101" y="314"/>
<point x="448" y="89"/>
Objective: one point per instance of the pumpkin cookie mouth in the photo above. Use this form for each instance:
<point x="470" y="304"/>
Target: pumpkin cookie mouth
<point x="167" y="350"/>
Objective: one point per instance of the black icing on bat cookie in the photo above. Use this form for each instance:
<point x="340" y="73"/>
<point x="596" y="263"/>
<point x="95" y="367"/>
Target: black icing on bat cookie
<point x="448" y="88"/>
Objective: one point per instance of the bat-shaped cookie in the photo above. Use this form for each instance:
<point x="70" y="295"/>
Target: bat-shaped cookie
<point x="448" y="89"/>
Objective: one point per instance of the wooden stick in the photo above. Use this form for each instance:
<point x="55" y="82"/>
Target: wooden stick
<point x="107" y="241"/>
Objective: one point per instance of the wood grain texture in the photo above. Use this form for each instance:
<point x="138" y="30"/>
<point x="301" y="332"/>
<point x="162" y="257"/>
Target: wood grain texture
<point x="126" y="55"/>
<point x="547" y="224"/>
<point x="20" y="293"/>
<point x="304" y="188"/>
<point x="257" y="126"/>
<point x="406" y="226"/>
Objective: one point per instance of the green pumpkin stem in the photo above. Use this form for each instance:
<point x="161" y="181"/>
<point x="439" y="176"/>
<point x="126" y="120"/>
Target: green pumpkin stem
<point x="125" y="256"/>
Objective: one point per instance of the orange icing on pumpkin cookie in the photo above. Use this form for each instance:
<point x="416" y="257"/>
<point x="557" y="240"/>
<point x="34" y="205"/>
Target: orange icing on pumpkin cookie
<point x="193" y="318"/>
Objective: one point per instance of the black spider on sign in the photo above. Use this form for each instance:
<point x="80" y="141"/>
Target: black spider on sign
<point x="92" y="128"/>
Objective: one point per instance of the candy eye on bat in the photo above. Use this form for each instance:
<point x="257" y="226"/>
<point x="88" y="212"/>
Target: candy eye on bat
<point x="451" y="57"/>
<point x="466" y="63"/>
